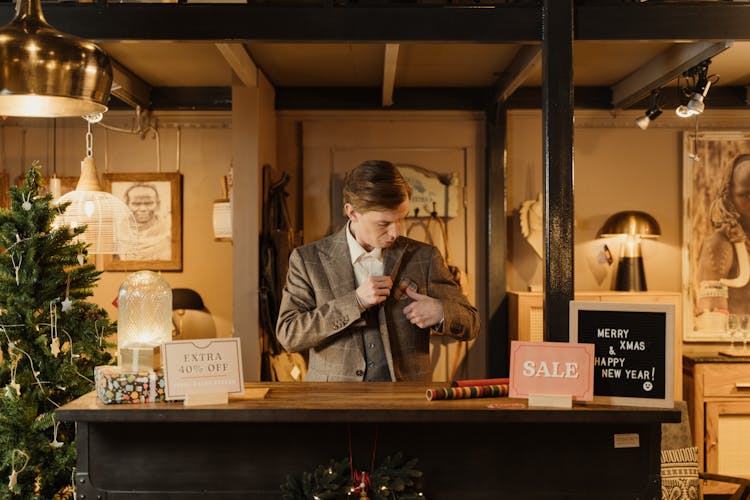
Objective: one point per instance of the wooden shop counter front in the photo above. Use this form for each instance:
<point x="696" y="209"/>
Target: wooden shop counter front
<point x="467" y="449"/>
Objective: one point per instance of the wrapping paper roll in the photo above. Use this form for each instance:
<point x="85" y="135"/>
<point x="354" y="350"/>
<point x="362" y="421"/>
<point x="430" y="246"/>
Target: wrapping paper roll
<point x="480" y="381"/>
<point x="474" y="391"/>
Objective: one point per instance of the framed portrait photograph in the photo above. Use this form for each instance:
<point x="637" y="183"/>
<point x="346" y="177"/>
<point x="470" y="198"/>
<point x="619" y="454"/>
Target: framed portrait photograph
<point x="155" y="201"/>
<point x="716" y="234"/>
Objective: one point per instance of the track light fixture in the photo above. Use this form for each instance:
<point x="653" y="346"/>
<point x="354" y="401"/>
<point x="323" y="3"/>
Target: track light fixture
<point x="653" y="111"/>
<point x="694" y="90"/>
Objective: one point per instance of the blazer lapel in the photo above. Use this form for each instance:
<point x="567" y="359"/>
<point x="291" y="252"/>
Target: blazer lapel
<point x="337" y="263"/>
<point x="392" y="259"/>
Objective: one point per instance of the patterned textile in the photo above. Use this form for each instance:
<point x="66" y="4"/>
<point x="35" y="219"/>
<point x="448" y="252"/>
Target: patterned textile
<point x="679" y="474"/>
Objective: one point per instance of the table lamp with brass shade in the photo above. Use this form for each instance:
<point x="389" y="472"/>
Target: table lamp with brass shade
<point x="47" y="73"/>
<point x="632" y="225"/>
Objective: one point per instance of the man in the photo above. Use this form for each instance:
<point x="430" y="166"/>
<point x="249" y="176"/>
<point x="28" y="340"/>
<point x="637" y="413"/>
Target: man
<point x="365" y="300"/>
<point x="154" y="234"/>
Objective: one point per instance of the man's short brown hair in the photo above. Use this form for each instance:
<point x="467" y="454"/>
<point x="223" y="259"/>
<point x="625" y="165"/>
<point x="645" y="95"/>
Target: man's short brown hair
<point x="375" y="185"/>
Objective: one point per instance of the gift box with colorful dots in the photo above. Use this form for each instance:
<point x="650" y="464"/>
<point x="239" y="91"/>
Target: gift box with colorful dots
<point x="115" y="385"/>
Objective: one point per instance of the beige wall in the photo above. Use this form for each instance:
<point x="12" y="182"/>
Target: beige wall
<point x="617" y="166"/>
<point x="204" y="156"/>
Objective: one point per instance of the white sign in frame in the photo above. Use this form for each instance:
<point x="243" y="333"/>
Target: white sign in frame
<point x="202" y="366"/>
<point x="634" y="351"/>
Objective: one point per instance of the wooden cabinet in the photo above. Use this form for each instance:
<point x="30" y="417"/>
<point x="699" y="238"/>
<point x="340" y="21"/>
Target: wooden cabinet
<point x="717" y="390"/>
<point x="526" y="319"/>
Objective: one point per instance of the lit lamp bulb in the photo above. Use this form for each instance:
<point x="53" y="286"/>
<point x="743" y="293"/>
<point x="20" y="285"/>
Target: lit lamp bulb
<point x="88" y="208"/>
<point x="695" y="105"/>
<point x="631" y="226"/>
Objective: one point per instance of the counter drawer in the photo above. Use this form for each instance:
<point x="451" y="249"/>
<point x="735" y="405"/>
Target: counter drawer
<point x="726" y="379"/>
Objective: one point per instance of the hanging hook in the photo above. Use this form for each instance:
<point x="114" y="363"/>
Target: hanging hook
<point x="91" y="118"/>
<point x="89" y="142"/>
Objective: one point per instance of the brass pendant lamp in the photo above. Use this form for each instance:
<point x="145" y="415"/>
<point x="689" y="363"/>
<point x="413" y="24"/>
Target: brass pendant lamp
<point x="47" y="73"/>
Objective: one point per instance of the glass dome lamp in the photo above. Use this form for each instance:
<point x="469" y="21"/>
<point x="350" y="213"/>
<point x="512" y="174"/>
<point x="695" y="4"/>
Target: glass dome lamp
<point x="144" y="319"/>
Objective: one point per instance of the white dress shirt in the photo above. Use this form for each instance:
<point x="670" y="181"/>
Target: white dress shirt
<point x="365" y="263"/>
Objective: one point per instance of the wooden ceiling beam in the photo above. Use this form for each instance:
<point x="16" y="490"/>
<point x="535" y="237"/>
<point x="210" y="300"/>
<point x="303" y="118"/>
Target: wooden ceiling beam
<point x="662" y="21"/>
<point x="389" y="73"/>
<point x="511" y="22"/>
<point x="523" y="64"/>
<point x="129" y="87"/>
<point x="241" y="63"/>
<point x="288" y="23"/>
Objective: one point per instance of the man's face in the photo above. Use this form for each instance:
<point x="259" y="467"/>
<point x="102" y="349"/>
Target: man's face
<point x="143" y="203"/>
<point x="377" y="228"/>
<point x="741" y="189"/>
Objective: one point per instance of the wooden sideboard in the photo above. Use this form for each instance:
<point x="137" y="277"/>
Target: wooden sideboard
<point x="466" y="449"/>
<point x="717" y="391"/>
<point x="526" y="317"/>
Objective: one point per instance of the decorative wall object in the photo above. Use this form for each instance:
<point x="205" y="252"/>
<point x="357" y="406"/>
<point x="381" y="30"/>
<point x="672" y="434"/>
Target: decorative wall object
<point x="156" y="202"/>
<point x="716" y="213"/>
<point x="431" y="192"/>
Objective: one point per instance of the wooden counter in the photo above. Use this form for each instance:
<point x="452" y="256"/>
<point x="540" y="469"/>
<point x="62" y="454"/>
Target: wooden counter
<point x="465" y="449"/>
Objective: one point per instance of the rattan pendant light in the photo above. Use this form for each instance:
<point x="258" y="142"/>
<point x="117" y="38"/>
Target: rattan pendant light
<point x="110" y="225"/>
<point x="47" y="73"/>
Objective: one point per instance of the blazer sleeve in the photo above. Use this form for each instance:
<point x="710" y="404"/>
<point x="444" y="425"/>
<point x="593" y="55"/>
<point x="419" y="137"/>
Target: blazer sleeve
<point x="309" y="314"/>
<point x="461" y="319"/>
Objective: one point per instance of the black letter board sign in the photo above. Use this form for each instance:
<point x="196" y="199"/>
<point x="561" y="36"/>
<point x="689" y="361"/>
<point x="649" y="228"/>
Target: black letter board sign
<point x="634" y="353"/>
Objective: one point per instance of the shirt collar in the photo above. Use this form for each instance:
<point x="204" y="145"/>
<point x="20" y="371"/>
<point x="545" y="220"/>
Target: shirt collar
<point x="356" y="250"/>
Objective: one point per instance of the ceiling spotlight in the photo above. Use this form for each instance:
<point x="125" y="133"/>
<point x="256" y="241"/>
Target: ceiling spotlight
<point x="694" y="93"/>
<point x="653" y="111"/>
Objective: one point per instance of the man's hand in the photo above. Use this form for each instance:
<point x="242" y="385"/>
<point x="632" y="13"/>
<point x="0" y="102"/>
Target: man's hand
<point x="425" y="311"/>
<point x="374" y="290"/>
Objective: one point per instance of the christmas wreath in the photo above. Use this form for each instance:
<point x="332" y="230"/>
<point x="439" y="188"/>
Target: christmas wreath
<point x="393" y="479"/>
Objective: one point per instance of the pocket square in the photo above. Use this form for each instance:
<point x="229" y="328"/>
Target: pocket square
<point x="399" y="292"/>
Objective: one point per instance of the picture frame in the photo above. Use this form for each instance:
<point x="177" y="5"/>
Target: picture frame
<point x="156" y="202"/>
<point x="707" y="161"/>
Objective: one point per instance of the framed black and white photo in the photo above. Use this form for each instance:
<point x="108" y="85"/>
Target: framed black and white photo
<point x="155" y="201"/>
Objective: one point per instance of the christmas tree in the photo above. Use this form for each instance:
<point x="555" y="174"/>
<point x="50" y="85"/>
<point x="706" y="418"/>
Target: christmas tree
<point x="394" y="478"/>
<point x="50" y="338"/>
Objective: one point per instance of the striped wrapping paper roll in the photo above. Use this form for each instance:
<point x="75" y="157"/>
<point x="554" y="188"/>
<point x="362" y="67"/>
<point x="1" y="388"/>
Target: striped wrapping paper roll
<point x="474" y="391"/>
<point x="480" y="381"/>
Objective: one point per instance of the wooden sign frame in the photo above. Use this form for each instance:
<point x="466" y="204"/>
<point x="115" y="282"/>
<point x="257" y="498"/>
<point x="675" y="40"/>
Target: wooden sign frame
<point x="614" y="344"/>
